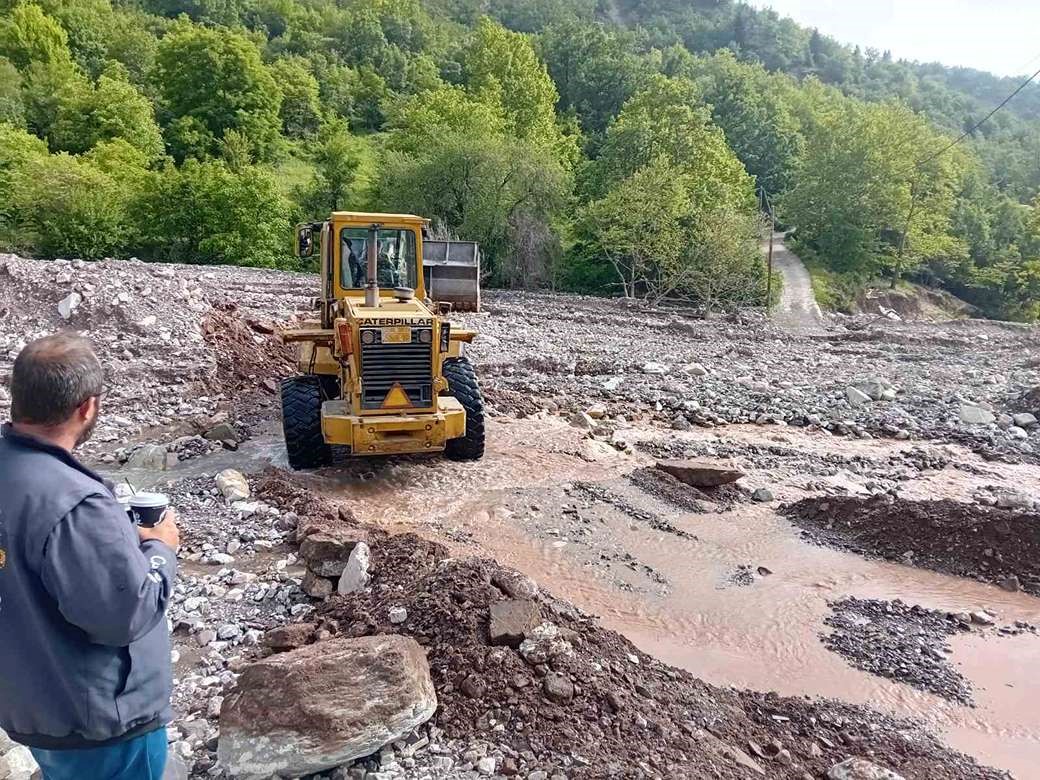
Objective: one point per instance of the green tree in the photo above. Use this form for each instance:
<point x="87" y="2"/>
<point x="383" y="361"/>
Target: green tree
<point x="338" y="162"/>
<point x="12" y="104"/>
<point x="17" y="149"/>
<point x="491" y="189"/>
<point x="751" y="106"/>
<point x="862" y="200"/>
<point x="203" y="212"/>
<point x="29" y="35"/>
<point x="113" y="109"/>
<point x="595" y="68"/>
<point x="217" y="80"/>
<point x="640" y="226"/>
<point x="301" y="101"/>
<point x="502" y="67"/>
<point x="667" y="121"/>
<point x="68" y="208"/>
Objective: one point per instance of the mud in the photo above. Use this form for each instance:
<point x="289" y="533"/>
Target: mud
<point x="988" y="544"/>
<point x="594" y="705"/>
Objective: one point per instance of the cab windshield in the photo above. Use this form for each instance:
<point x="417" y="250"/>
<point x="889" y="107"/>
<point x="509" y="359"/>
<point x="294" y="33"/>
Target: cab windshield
<point x="395" y="252"/>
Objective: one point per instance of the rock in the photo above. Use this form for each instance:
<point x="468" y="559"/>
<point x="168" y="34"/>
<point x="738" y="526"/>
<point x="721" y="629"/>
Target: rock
<point x="290" y="637"/>
<point x="225" y="432"/>
<point x="514" y="584"/>
<point x="654" y="368"/>
<point x="695" y="369"/>
<point x="68" y="305"/>
<point x="1008" y="498"/>
<point x="317" y="587"/>
<point x="976" y="415"/>
<point x="151" y="457"/>
<point x="596" y="411"/>
<point x="205" y="637"/>
<point x="474" y="687"/>
<point x="232" y="485"/>
<point x="324" y="705"/>
<point x="1024" y="420"/>
<point x="355" y="574"/>
<point x="701" y="473"/>
<point x="228" y="631"/>
<point x="20" y="763"/>
<point x="860" y="769"/>
<point x="558" y="688"/>
<point x="874" y="389"/>
<point x="856" y="397"/>
<point x="983" y="618"/>
<point x="398" y="615"/>
<point x="582" y="420"/>
<point x="1010" y="583"/>
<point x="486" y="766"/>
<point x="175" y="768"/>
<point x="762" y="495"/>
<point x="326" y="555"/>
<point x="511" y="620"/>
<point x="1017" y="433"/>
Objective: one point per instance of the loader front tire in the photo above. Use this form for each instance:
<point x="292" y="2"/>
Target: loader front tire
<point x="462" y="384"/>
<point x="302" y="397"/>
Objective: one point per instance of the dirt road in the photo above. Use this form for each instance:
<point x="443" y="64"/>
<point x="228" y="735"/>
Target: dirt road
<point x="797" y="308"/>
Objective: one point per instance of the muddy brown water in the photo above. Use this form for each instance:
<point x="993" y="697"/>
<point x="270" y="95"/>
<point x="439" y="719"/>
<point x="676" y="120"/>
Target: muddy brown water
<point x="764" y="635"/>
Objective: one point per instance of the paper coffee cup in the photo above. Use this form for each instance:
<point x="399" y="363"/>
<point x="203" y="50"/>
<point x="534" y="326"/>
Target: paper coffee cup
<point x="147" y="509"/>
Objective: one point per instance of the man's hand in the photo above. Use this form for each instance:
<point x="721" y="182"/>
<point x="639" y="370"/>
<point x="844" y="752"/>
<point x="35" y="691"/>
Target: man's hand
<point x="165" y="531"/>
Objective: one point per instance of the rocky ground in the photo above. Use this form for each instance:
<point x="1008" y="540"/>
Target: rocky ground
<point x="528" y="685"/>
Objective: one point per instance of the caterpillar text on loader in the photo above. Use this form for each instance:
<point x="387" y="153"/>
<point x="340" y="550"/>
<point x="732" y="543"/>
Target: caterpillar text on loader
<point x="381" y="373"/>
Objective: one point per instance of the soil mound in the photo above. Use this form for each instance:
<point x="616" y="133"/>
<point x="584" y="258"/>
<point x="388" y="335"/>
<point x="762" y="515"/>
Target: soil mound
<point x="987" y="544"/>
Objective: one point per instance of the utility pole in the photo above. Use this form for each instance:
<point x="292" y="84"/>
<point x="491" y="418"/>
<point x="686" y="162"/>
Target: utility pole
<point x="768" y="208"/>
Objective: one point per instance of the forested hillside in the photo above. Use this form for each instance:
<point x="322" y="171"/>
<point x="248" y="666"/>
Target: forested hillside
<point x="611" y="147"/>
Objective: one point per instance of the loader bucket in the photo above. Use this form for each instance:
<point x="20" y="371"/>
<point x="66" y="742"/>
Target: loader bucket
<point x="451" y="271"/>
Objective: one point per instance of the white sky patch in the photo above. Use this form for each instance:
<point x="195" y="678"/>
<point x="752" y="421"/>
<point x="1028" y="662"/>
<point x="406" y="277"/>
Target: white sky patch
<point x="999" y="36"/>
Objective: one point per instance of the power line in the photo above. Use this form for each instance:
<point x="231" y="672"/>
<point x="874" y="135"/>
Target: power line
<point x="978" y="124"/>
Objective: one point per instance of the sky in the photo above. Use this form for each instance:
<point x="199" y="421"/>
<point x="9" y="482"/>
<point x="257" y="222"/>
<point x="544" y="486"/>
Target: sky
<point x="1000" y="36"/>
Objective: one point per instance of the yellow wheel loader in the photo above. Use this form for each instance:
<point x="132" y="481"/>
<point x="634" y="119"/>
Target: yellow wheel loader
<point x="382" y="372"/>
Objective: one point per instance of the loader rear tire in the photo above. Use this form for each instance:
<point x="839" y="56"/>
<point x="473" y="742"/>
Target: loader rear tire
<point x="462" y="384"/>
<point x="302" y="397"/>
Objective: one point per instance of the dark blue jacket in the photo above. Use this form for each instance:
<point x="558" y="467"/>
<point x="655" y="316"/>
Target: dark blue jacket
<point x="84" y="644"/>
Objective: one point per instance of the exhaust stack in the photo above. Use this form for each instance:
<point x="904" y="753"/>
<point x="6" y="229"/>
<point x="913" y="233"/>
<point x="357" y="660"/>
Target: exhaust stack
<point x="371" y="272"/>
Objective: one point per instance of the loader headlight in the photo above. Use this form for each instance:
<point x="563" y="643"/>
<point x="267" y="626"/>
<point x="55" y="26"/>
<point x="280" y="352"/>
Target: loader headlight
<point x="368" y="336"/>
<point x="426" y="336"/>
<point x="445" y="335"/>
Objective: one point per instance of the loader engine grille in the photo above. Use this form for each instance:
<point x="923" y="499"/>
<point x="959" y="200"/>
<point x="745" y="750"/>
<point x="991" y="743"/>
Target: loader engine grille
<point x="408" y="364"/>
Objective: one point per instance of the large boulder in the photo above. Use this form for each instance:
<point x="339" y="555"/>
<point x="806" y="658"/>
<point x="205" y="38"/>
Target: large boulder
<point x="327" y="555"/>
<point x="971" y="414"/>
<point x="324" y="705"/>
<point x="701" y="473"/>
<point x="233" y="485"/>
<point x="510" y="620"/>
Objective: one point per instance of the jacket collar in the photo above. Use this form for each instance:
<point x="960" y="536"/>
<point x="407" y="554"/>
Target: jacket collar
<point x="8" y="432"/>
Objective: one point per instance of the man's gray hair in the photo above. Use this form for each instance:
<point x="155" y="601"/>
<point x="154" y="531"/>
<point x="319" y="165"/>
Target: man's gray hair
<point x="51" y="377"/>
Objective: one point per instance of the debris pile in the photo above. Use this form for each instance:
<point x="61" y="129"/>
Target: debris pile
<point x="989" y="544"/>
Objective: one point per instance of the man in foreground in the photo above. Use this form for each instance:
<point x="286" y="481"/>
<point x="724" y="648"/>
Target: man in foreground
<point x="85" y="673"/>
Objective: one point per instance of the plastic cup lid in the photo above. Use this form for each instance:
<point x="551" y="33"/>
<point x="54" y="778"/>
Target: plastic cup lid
<point x="149" y="500"/>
